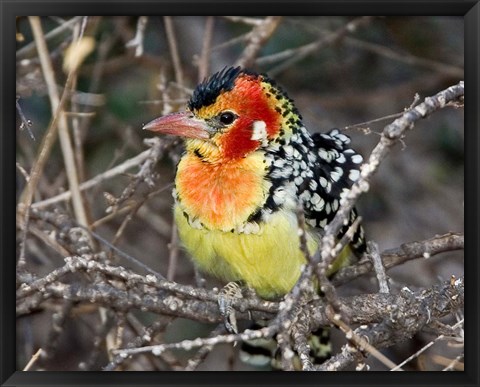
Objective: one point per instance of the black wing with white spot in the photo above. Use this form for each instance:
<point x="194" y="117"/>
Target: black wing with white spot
<point x="317" y="170"/>
<point x="335" y="169"/>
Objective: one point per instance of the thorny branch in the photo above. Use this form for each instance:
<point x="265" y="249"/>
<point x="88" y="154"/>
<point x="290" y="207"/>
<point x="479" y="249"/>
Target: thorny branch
<point x="396" y="317"/>
<point x="407" y="251"/>
<point x="424" y="307"/>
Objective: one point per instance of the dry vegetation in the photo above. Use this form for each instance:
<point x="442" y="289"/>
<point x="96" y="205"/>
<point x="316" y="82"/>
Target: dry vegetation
<point x="102" y="283"/>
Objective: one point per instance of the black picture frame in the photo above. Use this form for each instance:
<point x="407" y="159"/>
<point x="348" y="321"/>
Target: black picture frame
<point x="470" y="10"/>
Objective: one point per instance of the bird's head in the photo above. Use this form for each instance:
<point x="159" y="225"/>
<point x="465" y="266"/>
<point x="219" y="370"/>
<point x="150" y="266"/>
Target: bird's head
<point x="231" y="114"/>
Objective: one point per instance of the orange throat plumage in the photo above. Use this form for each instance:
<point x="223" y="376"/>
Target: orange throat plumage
<point x="221" y="195"/>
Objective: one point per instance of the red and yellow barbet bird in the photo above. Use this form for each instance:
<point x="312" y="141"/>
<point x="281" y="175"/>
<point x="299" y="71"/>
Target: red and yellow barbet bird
<point x="249" y="163"/>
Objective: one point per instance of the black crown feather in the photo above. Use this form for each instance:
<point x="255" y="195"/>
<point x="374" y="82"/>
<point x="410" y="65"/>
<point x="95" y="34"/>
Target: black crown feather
<point x="207" y="92"/>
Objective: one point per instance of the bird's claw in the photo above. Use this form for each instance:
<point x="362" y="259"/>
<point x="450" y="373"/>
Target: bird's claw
<point x="228" y="294"/>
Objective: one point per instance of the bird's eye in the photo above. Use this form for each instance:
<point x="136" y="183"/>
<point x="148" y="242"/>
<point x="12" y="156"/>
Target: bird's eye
<point x="227" y="118"/>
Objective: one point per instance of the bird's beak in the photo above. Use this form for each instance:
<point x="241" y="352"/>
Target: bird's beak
<point x="182" y="124"/>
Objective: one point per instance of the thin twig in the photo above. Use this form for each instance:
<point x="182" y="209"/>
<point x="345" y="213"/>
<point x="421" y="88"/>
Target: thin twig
<point x="204" y="60"/>
<point x="406" y="252"/>
<point x="25" y="123"/>
<point x="137" y="41"/>
<point x="172" y="44"/>
<point x="156" y="222"/>
<point x="118" y="170"/>
<point x="449" y="363"/>
<point x="257" y="38"/>
<point x="425" y="347"/>
<point x="293" y="56"/>
<point x="231" y="42"/>
<point x="203" y="352"/>
<point x="77" y="140"/>
<point x="374" y="254"/>
<point x="31" y="47"/>
<point x="360" y="342"/>
<point x="246" y="20"/>
<point x="361" y="125"/>
<point x="33" y="360"/>
<point x="57" y="110"/>
<point x="200" y="342"/>
<point x="405" y="57"/>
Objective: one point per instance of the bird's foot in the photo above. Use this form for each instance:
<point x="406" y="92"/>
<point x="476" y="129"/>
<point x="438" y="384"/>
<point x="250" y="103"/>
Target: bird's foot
<point x="226" y="298"/>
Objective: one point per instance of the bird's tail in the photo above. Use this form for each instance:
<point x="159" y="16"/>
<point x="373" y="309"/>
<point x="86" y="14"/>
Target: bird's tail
<point x="265" y="353"/>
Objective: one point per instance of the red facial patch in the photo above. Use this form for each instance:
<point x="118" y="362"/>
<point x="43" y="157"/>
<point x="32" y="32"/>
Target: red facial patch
<point x="250" y="102"/>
